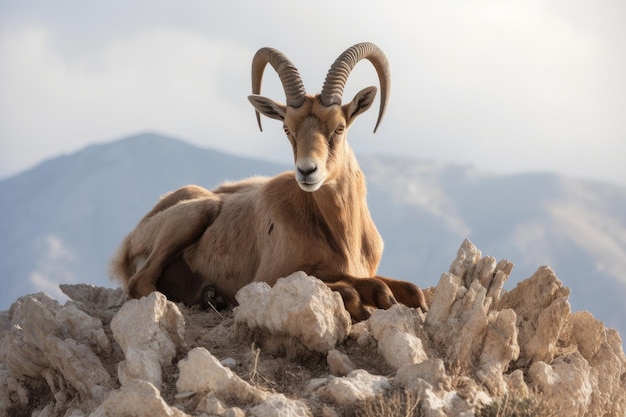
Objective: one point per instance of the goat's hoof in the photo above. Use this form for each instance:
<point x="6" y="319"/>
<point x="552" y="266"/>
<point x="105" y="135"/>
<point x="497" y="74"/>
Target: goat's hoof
<point x="212" y="300"/>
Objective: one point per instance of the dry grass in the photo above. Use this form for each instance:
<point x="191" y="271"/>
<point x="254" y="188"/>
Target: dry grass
<point x="395" y="403"/>
<point x="509" y="406"/>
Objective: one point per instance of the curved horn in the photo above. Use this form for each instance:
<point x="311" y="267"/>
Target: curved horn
<point x="287" y="72"/>
<point x="332" y="92"/>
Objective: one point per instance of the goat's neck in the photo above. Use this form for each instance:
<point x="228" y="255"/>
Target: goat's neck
<point x="342" y="204"/>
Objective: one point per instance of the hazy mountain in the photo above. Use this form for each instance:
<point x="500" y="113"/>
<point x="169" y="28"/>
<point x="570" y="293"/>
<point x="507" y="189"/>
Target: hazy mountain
<point x="62" y="220"/>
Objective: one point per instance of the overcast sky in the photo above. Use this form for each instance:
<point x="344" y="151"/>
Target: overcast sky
<point x="505" y="86"/>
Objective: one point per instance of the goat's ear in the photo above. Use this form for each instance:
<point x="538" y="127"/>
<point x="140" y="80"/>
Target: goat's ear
<point x="268" y="107"/>
<point x="360" y="103"/>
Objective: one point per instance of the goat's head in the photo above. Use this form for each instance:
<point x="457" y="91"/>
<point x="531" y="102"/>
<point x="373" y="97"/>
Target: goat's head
<point x="316" y="125"/>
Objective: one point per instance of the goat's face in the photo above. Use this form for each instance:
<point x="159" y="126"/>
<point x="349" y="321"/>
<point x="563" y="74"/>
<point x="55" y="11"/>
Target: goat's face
<point x="316" y="125"/>
<point x="317" y="134"/>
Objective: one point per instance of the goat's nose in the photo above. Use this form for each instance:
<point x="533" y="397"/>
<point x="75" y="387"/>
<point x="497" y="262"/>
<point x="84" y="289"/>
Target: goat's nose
<point x="306" y="167"/>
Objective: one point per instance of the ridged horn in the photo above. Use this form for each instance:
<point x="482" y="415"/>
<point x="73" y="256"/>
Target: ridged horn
<point x="287" y="72"/>
<point x="332" y="92"/>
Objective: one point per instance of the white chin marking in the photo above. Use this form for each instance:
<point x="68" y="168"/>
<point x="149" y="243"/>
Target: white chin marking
<point x="309" y="188"/>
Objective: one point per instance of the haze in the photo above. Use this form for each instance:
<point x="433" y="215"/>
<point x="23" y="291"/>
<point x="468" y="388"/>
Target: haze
<point x="506" y="87"/>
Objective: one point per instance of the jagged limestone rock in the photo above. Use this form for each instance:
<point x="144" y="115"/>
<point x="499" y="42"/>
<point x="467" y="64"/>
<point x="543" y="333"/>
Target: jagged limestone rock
<point x="567" y="383"/>
<point x="149" y="331"/>
<point x="202" y="372"/>
<point x="298" y="306"/>
<point x="279" y="405"/>
<point x="541" y="305"/>
<point x="137" y="398"/>
<point x="38" y="350"/>
<point x="464" y="323"/>
<point x="97" y="298"/>
<point x="477" y="343"/>
<point x="339" y="363"/>
<point x="84" y="328"/>
<point x="590" y="380"/>
<point x="431" y="371"/>
<point x="357" y="386"/>
<point x="398" y="331"/>
<point x="211" y="405"/>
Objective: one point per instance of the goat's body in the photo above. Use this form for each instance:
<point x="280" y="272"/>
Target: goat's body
<point x="314" y="219"/>
<point x="258" y="229"/>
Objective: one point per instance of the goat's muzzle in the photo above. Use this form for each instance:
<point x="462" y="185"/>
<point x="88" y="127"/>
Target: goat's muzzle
<point x="309" y="174"/>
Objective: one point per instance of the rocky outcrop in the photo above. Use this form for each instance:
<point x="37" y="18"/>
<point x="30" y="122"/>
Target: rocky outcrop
<point x="301" y="308"/>
<point x="149" y="331"/>
<point x="291" y="350"/>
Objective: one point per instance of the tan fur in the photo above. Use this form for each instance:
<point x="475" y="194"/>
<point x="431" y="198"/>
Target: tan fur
<point x="261" y="229"/>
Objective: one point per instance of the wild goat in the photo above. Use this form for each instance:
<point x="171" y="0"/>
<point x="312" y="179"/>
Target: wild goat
<point x="196" y="244"/>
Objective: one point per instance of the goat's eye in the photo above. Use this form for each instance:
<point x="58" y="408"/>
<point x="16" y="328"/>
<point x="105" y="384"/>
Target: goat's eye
<point x="340" y="130"/>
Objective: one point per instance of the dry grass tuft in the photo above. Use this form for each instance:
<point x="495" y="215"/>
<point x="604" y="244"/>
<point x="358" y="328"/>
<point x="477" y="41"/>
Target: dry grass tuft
<point x="395" y="403"/>
<point x="509" y="406"/>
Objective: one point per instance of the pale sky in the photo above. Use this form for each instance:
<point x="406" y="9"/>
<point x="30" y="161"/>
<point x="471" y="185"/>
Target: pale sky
<point x="505" y="86"/>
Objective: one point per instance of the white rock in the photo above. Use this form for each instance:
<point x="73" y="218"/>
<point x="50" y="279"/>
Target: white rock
<point x="540" y="303"/>
<point x="138" y="399"/>
<point x="358" y="385"/>
<point x="252" y="309"/>
<point x="315" y="383"/>
<point x="12" y="393"/>
<point x="202" y="372"/>
<point x="98" y="298"/>
<point x="299" y="306"/>
<point x="443" y="404"/>
<point x="149" y="331"/>
<point x="79" y="365"/>
<point x="432" y="371"/>
<point x="396" y="331"/>
<point x="587" y="333"/>
<point x="568" y="383"/>
<point x="140" y="364"/>
<point x="432" y="405"/>
<point x="234" y="412"/>
<point x="468" y="324"/>
<point x="516" y="385"/>
<point x="499" y="348"/>
<point x="339" y="363"/>
<point x="279" y="405"/>
<point x="229" y="362"/>
<point x="82" y="327"/>
<point x="211" y="405"/>
<point x="466" y="259"/>
<point x="36" y="347"/>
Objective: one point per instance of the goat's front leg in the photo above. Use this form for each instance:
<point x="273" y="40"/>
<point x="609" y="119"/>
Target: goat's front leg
<point x="351" y="300"/>
<point x="406" y="293"/>
<point x="357" y="293"/>
<point x="377" y="292"/>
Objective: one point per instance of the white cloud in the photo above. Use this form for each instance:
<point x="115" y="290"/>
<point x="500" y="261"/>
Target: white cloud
<point x="512" y="86"/>
<point x="53" y="266"/>
<point x="160" y="80"/>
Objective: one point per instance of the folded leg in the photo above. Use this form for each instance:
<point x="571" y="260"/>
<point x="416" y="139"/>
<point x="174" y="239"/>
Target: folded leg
<point x="377" y="292"/>
<point x="166" y="234"/>
<point x="406" y="293"/>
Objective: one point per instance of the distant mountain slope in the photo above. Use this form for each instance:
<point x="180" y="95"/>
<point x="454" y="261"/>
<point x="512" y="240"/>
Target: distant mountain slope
<point x="577" y="227"/>
<point x="62" y="220"/>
